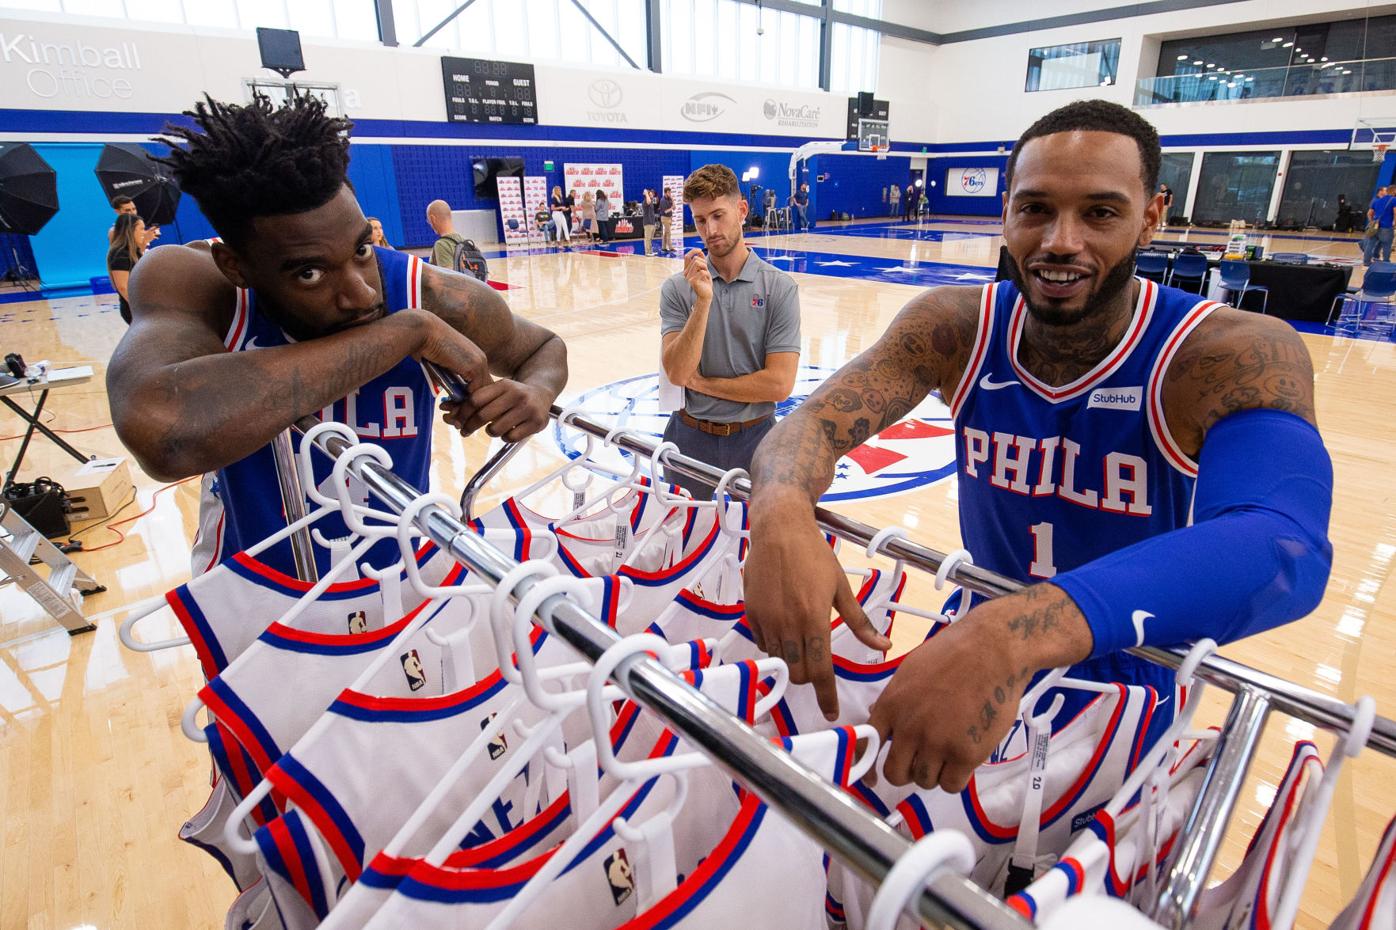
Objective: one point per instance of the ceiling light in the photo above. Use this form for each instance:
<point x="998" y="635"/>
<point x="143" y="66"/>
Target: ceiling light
<point x="1211" y="77"/>
<point x="1288" y="44"/>
<point x="1249" y="79"/>
<point x="1197" y="61"/>
<point x="1210" y="65"/>
<point x="1182" y="58"/>
<point x="1324" y="58"/>
<point x="1278" y="39"/>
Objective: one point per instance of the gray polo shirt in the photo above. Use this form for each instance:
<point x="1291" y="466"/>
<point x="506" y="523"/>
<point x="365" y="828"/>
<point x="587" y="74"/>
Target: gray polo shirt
<point x="753" y="315"/>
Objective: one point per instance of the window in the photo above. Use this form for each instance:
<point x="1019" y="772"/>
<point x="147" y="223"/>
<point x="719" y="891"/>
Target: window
<point x="335" y="19"/>
<point x="1315" y="181"/>
<point x="552" y="30"/>
<point x="1081" y="64"/>
<point x="1175" y="170"/>
<point x="1235" y="186"/>
<point x="720" y="39"/>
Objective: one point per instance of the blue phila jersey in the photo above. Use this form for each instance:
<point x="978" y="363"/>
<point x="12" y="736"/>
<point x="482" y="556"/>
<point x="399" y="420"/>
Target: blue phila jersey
<point x="1051" y="478"/>
<point x="241" y="503"/>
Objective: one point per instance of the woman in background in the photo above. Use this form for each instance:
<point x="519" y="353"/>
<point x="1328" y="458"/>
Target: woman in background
<point x="603" y="216"/>
<point x="588" y="209"/>
<point x="127" y="247"/>
<point x="562" y="220"/>
<point x="378" y="238"/>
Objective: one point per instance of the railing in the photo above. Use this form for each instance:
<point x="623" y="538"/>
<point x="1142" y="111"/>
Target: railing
<point x="1298" y="80"/>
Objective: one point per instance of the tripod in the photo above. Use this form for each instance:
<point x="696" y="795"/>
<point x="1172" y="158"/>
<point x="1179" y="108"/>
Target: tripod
<point x="18" y="274"/>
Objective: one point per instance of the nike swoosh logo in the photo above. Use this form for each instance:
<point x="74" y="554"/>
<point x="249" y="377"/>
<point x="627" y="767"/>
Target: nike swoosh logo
<point x="251" y="344"/>
<point x="988" y="384"/>
<point x="1138" y="618"/>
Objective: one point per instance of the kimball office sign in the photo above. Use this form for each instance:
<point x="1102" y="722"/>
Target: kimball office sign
<point x="72" y="70"/>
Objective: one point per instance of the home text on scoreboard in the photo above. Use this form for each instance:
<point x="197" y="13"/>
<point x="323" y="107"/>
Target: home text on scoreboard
<point x="483" y="91"/>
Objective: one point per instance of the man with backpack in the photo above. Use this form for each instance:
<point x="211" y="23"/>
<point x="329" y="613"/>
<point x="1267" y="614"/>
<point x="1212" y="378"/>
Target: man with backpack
<point x="452" y="250"/>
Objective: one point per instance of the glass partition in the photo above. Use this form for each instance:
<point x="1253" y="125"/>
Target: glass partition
<point x="1316" y="180"/>
<point x="1176" y="171"/>
<point x="1235" y="186"/>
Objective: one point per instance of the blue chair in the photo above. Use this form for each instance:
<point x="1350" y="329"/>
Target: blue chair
<point x="1191" y="266"/>
<point x="1236" y="276"/>
<point x="1290" y="258"/>
<point x="1152" y="265"/>
<point x="1373" y="308"/>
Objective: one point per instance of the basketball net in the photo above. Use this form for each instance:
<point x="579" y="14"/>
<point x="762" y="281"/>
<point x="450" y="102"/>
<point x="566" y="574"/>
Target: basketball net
<point x="1379" y="151"/>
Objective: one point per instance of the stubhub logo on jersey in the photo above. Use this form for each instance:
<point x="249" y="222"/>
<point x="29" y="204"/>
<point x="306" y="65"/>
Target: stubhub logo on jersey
<point x="917" y="451"/>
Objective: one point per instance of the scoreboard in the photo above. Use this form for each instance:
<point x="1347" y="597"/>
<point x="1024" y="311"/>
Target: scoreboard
<point x="483" y="91"/>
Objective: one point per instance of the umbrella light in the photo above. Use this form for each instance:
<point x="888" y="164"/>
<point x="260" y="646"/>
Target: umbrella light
<point x="125" y="169"/>
<point x="28" y="189"/>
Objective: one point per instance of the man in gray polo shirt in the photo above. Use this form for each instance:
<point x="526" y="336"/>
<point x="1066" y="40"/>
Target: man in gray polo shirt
<point x="731" y="329"/>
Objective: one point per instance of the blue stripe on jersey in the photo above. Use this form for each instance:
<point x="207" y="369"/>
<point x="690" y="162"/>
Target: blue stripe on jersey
<point x="206" y="643"/>
<point x="395" y="409"/>
<point x="296" y="828"/>
<point x="340" y="820"/>
<point x="1054" y="477"/>
<point x="722" y="612"/>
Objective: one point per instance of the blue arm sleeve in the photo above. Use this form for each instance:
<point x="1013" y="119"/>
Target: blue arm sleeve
<point x="1256" y="556"/>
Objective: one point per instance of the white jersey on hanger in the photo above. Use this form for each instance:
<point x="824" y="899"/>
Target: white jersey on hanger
<point x="721" y="838"/>
<point x="733" y="688"/>
<point x="1249" y="895"/>
<point x="1088" y="760"/>
<point x="1111" y="856"/>
<point x="1374" y="906"/>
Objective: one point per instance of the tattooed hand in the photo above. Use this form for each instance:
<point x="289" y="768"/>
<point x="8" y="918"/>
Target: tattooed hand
<point x="955" y="696"/>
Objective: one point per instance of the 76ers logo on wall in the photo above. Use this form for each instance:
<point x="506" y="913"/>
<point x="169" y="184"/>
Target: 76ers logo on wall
<point x="973" y="180"/>
<point x="913" y="453"/>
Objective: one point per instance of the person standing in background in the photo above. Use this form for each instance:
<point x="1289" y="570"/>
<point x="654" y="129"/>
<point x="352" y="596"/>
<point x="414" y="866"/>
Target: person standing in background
<point x="895" y="198"/>
<point x="588" y="208"/>
<point x="666" y="221"/>
<point x="1167" y="193"/>
<point x="1381" y="212"/>
<point x="126" y="206"/>
<point x="730" y="324"/>
<point x="768" y="214"/>
<point x="562" y="228"/>
<point x="126" y="248"/>
<point x="378" y="239"/>
<point x="648" y="219"/>
<point x="443" y="251"/>
<point x="802" y="207"/>
<point x="603" y="216"/>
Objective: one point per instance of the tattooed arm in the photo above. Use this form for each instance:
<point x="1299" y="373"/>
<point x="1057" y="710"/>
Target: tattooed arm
<point x="531" y="361"/>
<point x="792" y="578"/>
<point x="183" y="405"/>
<point x="1235" y="361"/>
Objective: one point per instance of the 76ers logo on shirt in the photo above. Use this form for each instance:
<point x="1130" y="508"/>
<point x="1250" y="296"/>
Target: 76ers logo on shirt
<point x="917" y="451"/>
<point x="758" y="302"/>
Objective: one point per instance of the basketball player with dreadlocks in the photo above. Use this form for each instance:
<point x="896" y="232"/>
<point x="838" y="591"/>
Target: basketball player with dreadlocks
<point x="338" y="328"/>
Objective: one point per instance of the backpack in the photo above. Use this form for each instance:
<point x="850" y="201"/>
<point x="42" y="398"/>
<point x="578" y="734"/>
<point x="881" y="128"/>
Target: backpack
<point x="468" y="259"/>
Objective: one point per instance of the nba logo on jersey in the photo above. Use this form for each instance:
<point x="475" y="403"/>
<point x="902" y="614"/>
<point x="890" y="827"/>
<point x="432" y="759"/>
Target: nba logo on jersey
<point x="358" y="622"/>
<point x="412" y="668"/>
<point x="622" y="880"/>
<point x="497" y="746"/>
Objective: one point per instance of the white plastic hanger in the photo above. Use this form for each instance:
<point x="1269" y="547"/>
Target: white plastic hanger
<point x="1364" y="715"/>
<point x="941" y="849"/>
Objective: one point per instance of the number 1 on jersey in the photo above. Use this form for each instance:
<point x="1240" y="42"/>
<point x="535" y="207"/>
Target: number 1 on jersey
<point x="1043" y="564"/>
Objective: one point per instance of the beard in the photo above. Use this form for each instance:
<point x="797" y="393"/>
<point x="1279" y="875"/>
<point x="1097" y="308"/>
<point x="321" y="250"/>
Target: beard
<point x="1106" y="291"/>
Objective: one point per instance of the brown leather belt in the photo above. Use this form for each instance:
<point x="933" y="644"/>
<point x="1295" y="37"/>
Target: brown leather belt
<point x="719" y="429"/>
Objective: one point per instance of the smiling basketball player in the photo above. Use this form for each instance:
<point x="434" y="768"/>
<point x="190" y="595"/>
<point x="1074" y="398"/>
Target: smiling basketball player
<point x="1147" y="460"/>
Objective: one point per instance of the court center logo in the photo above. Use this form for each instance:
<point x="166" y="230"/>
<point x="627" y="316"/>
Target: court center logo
<point x="972" y="180"/>
<point x="913" y="453"/>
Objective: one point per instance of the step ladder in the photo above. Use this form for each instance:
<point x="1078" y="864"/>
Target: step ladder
<point x="59" y="592"/>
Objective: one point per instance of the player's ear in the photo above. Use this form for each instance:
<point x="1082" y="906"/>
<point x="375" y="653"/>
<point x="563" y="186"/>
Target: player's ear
<point x="228" y="263"/>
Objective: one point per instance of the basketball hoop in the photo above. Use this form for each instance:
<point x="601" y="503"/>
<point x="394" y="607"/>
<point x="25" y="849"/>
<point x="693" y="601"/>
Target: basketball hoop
<point x="1379" y="151"/>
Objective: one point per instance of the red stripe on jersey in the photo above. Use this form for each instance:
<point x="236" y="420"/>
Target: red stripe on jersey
<point x="981" y="347"/>
<point x="1158" y="423"/>
<point x="295" y="584"/>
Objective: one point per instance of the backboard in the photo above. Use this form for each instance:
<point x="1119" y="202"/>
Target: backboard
<point x="872" y="135"/>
